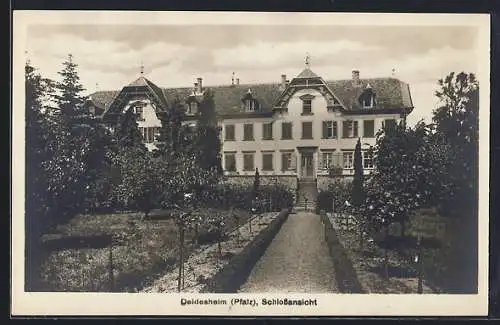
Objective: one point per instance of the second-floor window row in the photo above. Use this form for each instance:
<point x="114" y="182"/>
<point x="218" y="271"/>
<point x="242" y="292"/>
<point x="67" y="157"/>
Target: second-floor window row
<point x="330" y="130"/>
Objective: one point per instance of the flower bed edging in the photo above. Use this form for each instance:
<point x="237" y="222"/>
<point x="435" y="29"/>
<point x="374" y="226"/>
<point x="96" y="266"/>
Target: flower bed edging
<point x="235" y="273"/>
<point x="345" y="274"/>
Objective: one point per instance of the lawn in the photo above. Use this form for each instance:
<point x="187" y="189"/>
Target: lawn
<point x="145" y="249"/>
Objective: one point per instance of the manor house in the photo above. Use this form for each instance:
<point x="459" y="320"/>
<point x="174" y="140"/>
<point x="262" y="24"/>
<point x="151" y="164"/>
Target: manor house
<point x="292" y="130"/>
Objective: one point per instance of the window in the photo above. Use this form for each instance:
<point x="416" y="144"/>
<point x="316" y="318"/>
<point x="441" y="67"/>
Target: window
<point x="327" y="159"/>
<point x="368" y="159"/>
<point x="139" y="113"/>
<point x="249" y="105"/>
<point x="286" y="131"/>
<point x="248" y="161"/>
<point x="286" y="161"/>
<point x="368" y="128"/>
<point x="350" y="129"/>
<point x="150" y="134"/>
<point x="192" y="108"/>
<point x="267" y="161"/>
<point x="348" y="159"/>
<point x="307" y="130"/>
<point x="306" y="106"/>
<point x="248" y="132"/>
<point x="367" y="98"/>
<point x="390" y="124"/>
<point x="267" y="131"/>
<point x="329" y="130"/>
<point x="230" y="162"/>
<point x="369" y="102"/>
<point x="229" y="129"/>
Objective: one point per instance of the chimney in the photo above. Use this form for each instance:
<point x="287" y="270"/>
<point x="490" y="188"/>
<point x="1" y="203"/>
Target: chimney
<point x="283" y="80"/>
<point x="355" y="77"/>
<point x="237" y="81"/>
<point x="199" y="84"/>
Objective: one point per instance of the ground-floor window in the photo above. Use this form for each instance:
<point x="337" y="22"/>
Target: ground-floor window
<point x="368" y="159"/>
<point x="287" y="161"/>
<point x="248" y="161"/>
<point x="327" y="159"/>
<point x="267" y="161"/>
<point x="348" y="159"/>
<point x="230" y="161"/>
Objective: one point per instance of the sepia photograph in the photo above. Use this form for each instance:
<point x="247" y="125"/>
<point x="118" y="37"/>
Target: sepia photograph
<point x="271" y="163"/>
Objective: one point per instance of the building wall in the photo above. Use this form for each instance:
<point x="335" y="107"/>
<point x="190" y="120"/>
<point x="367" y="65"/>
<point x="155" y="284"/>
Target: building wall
<point x="294" y="115"/>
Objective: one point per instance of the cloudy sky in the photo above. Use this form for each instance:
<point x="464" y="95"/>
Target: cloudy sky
<point x="110" y="56"/>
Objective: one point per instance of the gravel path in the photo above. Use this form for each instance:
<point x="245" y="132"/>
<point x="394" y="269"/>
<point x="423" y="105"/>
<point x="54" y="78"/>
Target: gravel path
<point x="297" y="260"/>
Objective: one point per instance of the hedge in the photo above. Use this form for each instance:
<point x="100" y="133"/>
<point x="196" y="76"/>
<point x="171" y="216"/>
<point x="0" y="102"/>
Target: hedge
<point x="235" y="273"/>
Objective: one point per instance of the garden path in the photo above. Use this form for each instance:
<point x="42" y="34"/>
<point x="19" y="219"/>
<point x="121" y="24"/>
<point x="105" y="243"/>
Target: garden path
<point x="297" y="260"/>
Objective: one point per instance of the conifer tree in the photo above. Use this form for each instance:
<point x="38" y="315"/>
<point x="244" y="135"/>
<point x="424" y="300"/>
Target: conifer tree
<point x="38" y="151"/>
<point x="70" y="98"/>
<point x="208" y="135"/>
<point x="357" y="183"/>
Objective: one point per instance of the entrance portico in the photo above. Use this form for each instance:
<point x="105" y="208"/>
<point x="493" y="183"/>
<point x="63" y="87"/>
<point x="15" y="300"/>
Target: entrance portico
<point x="307" y="166"/>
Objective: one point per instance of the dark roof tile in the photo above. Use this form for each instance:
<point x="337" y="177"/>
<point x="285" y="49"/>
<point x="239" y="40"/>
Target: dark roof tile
<point x="390" y="93"/>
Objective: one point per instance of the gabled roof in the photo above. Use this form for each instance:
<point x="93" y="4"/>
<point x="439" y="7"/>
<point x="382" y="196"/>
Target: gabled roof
<point x="307" y="73"/>
<point x="390" y="93"/>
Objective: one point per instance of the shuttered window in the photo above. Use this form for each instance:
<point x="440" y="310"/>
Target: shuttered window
<point x="307" y="130"/>
<point x="229" y="136"/>
<point x="230" y="162"/>
<point x="248" y="132"/>
<point x="350" y="129"/>
<point x="248" y="161"/>
<point x="368" y="128"/>
<point x="267" y="131"/>
<point x="267" y="161"/>
<point x="329" y="129"/>
<point x="286" y="131"/>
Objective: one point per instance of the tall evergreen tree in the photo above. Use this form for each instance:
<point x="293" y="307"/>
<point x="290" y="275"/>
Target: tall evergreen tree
<point x="208" y="134"/>
<point x="357" y="183"/>
<point x="70" y="98"/>
<point x="38" y="151"/>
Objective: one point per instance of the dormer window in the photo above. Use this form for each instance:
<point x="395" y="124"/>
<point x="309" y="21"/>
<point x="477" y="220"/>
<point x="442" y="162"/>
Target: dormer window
<point x="250" y="104"/>
<point x="192" y="108"/>
<point x="307" y="104"/>
<point x="367" y="98"/>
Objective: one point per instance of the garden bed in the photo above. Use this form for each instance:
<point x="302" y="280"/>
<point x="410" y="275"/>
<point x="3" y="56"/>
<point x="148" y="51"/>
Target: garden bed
<point x="346" y="277"/>
<point x="145" y="249"/>
<point x="204" y="262"/>
<point x="367" y="262"/>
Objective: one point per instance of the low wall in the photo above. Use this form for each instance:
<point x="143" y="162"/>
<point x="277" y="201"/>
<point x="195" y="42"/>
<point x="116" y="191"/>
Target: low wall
<point x="289" y="181"/>
<point x="324" y="181"/>
<point x="345" y="275"/>
<point x="235" y="273"/>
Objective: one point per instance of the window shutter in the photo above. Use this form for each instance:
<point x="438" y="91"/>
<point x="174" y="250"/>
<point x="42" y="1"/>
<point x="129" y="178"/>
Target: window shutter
<point x="345" y="129"/>
<point x="322" y="161"/>
<point x="283" y="161"/>
<point x="335" y="129"/>
<point x="355" y="128"/>
<point x="293" y="162"/>
<point x="325" y="130"/>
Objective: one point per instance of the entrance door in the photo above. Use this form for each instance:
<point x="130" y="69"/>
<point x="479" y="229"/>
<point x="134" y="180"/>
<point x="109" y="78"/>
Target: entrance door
<point x="307" y="167"/>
